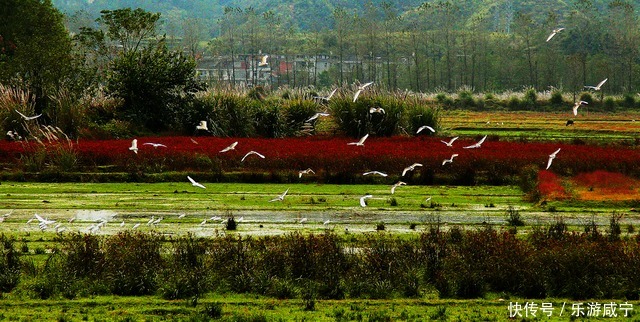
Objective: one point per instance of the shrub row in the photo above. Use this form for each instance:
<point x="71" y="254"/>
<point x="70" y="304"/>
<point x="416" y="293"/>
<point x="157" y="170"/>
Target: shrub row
<point x="531" y="100"/>
<point x="455" y="263"/>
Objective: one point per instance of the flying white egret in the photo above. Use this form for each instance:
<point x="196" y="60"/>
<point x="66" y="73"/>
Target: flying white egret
<point x="317" y="115"/>
<point x="134" y="146"/>
<point x="597" y="87"/>
<point x="410" y="168"/>
<point x="230" y="147"/>
<point x="157" y="221"/>
<point x="136" y="226"/>
<point x="375" y="172"/>
<point x="241" y="219"/>
<point x="361" y="142"/>
<point x="204" y="222"/>
<point x="202" y="126"/>
<point x="428" y="199"/>
<point x="122" y="224"/>
<point x="301" y="172"/>
<point x="360" y="89"/>
<point x="577" y="105"/>
<point x="302" y="220"/>
<point x="250" y="153"/>
<point x="153" y="218"/>
<point x="326" y="98"/>
<point x="194" y="141"/>
<point x="181" y="216"/>
<point x="476" y="145"/>
<point x="195" y="184"/>
<point x="425" y="127"/>
<point x="155" y="145"/>
<point x="44" y="221"/>
<point x="450" y="143"/>
<point x="377" y="110"/>
<point x="326" y="222"/>
<point x="215" y="218"/>
<point x="398" y="184"/>
<point x="28" y="118"/>
<point x="449" y="160"/>
<point x="551" y="157"/>
<point x="280" y="197"/>
<point x="554" y="32"/>
<point x="363" y="200"/>
<point x="263" y="61"/>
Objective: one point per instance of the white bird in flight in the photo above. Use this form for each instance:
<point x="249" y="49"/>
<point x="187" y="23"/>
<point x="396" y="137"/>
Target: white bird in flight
<point x="450" y="143"/>
<point x="361" y="142"/>
<point x="476" y="145"/>
<point x="28" y="118"/>
<point x="326" y="98"/>
<point x="377" y="110"/>
<point x="363" y="200"/>
<point x="155" y="145"/>
<point x="554" y="32"/>
<point x="263" y="61"/>
<point x="317" y="115"/>
<point x="202" y="126"/>
<point x="230" y="147"/>
<point x="425" y="127"/>
<point x="151" y="220"/>
<point x="449" y="160"/>
<point x="136" y="226"/>
<point x="398" y="184"/>
<point x="250" y="153"/>
<point x="44" y="221"/>
<point x="551" y="157"/>
<point x="301" y="172"/>
<point x="410" y="168"/>
<point x="375" y="172"/>
<point x="360" y="89"/>
<point x="577" y="105"/>
<point x="280" y="197"/>
<point x="326" y="222"/>
<point x="195" y="184"/>
<point x="302" y="220"/>
<point x="134" y="146"/>
<point x="597" y="87"/>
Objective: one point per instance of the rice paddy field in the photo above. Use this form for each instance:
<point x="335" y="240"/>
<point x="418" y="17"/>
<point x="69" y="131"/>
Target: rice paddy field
<point x="176" y="209"/>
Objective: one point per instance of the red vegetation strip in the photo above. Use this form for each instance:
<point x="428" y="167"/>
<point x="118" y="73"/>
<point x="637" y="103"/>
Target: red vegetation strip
<point x="335" y="156"/>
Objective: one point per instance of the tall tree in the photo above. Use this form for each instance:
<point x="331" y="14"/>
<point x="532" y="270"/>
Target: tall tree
<point x="36" y="48"/>
<point x="129" y="27"/>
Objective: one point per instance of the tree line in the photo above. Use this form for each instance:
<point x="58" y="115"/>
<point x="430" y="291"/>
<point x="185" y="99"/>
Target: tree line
<point x="127" y="56"/>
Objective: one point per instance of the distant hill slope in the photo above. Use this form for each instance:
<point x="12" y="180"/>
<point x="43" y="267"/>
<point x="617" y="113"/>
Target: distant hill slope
<point x="308" y="14"/>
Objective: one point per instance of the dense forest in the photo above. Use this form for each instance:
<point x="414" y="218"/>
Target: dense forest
<point x="420" y="46"/>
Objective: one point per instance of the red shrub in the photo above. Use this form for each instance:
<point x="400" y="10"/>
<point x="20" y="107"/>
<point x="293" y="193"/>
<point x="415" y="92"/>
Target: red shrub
<point x="550" y="186"/>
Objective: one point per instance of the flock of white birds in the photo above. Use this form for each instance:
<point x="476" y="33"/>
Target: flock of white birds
<point x="43" y="223"/>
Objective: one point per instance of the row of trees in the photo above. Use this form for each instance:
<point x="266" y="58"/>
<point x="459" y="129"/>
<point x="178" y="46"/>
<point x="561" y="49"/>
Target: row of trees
<point x="122" y="54"/>
<point x="441" y="45"/>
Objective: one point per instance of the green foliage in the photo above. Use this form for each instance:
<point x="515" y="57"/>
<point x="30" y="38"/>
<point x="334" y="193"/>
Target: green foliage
<point x="129" y="27"/>
<point x="513" y="217"/>
<point x="556" y="98"/>
<point x="133" y="263"/>
<point x="586" y="97"/>
<point x="10" y="264"/>
<point x="609" y="104"/>
<point x="227" y="113"/>
<point x="36" y="49"/>
<point x="156" y="85"/>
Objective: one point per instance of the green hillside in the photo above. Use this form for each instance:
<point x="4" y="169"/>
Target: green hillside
<point x="311" y="14"/>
